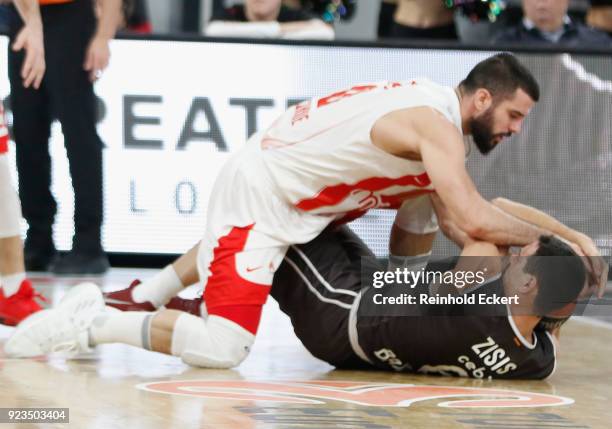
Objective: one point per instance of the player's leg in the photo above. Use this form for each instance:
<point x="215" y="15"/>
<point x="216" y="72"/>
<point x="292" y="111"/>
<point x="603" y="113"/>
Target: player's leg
<point x="17" y="297"/>
<point x="214" y="342"/>
<point x="234" y="293"/>
<point x="237" y="264"/>
<point x="317" y="285"/>
<point x="238" y="276"/>
<point x="11" y="250"/>
<point x="158" y="290"/>
<point x="412" y="234"/>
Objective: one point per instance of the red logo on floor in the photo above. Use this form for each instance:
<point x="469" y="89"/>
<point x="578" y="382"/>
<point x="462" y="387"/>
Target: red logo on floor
<point x="369" y="394"/>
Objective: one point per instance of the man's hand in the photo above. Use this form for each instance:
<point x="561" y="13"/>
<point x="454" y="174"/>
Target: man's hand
<point x="98" y="51"/>
<point x="30" y="38"/>
<point x="96" y="57"/>
<point x="597" y="268"/>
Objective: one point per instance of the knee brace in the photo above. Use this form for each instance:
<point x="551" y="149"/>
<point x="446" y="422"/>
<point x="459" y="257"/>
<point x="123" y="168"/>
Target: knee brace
<point x="10" y="209"/>
<point x="212" y="343"/>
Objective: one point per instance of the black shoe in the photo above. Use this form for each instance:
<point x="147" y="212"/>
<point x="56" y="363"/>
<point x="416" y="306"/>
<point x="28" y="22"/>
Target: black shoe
<point x="79" y="263"/>
<point x="39" y="260"/>
<point x="39" y="252"/>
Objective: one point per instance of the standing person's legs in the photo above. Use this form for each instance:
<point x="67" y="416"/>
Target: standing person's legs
<point x="72" y="95"/>
<point x="31" y="130"/>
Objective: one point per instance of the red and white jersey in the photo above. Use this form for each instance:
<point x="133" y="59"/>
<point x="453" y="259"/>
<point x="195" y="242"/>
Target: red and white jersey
<point x="322" y="159"/>
<point x="4" y="136"/>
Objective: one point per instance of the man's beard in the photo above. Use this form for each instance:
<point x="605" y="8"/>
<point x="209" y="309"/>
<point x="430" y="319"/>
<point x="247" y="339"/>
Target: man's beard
<point x="482" y="132"/>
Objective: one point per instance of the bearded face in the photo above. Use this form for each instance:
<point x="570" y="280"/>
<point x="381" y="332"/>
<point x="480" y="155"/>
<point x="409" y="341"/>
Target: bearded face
<point x="483" y="134"/>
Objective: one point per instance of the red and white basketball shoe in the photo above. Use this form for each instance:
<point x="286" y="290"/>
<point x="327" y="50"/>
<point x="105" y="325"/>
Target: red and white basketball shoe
<point x="122" y="300"/>
<point x="15" y="308"/>
<point x="192" y="306"/>
<point x="63" y="329"/>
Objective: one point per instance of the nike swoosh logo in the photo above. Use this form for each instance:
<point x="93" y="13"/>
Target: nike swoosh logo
<point x="249" y="269"/>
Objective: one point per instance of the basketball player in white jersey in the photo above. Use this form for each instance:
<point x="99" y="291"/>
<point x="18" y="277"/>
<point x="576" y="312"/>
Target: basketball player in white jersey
<point x="323" y="162"/>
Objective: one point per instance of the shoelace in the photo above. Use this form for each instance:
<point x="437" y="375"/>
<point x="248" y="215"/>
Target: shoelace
<point x="55" y="341"/>
<point x="27" y="293"/>
<point x="69" y="348"/>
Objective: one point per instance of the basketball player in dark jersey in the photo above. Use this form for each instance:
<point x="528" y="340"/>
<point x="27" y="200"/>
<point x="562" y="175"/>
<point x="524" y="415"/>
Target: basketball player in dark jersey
<point x="331" y="306"/>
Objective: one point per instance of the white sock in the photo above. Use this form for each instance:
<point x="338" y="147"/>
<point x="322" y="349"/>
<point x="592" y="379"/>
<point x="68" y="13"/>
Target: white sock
<point x="412" y="263"/>
<point x="10" y="284"/>
<point x="159" y="289"/>
<point x="130" y="327"/>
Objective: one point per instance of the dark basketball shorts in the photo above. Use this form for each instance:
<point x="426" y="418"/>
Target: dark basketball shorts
<point x="316" y="285"/>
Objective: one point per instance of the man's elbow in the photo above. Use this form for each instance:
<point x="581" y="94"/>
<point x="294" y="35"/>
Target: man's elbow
<point x="472" y="219"/>
<point x="473" y="227"/>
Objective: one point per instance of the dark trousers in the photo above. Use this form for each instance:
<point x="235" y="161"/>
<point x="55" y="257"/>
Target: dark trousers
<point x="66" y="94"/>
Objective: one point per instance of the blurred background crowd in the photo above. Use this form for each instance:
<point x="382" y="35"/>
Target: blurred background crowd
<point x="567" y="22"/>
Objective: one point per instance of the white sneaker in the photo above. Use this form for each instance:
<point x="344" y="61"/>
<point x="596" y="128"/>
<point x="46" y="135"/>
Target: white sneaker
<point x="63" y="329"/>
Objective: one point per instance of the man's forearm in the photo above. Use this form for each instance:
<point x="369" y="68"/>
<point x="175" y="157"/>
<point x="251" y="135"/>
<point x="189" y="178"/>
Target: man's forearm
<point x="536" y="217"/>
<point x="29" y="11"/>
<point x="496" y="226"/>
<point x="110" y="18"/>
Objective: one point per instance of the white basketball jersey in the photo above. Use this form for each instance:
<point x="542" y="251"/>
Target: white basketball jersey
<point x="322" y="159"/>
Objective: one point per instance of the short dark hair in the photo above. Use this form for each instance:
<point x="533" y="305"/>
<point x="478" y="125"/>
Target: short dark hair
<point x="501" y="75"/>
<point x="560" y="274"/>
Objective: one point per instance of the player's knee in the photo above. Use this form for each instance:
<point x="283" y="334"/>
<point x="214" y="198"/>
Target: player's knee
<point x="212" y="343"/>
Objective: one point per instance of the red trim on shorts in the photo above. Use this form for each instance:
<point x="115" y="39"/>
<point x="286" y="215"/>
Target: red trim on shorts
<point x="4" y="137"/>
<point x="3" y="144"/>
<point x="226" y="289"/>
<point x="247" y="316"/>
<point x="333" y="195"/>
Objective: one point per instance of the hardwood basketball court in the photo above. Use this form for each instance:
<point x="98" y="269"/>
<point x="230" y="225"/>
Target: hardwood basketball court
<point x="280" y="385"/>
